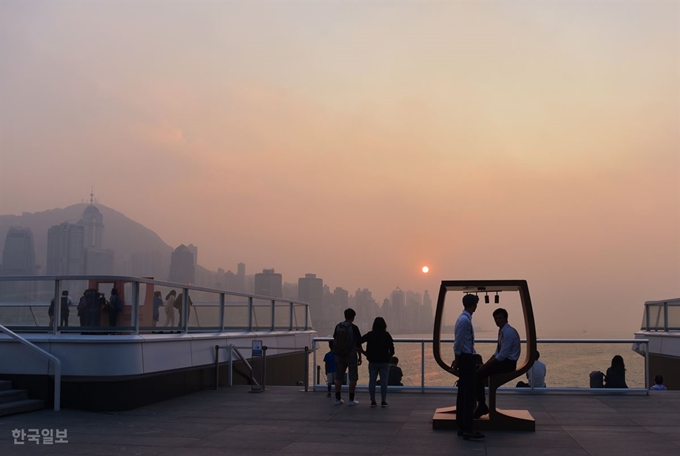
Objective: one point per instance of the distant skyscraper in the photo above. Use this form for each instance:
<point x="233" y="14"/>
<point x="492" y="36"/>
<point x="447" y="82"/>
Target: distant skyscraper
<point x="269" y="283"/>
<point x="18" y="256"/>
<point x="310" y="289"/>
<point x="241" y="277"/>
<point x="65" y="249"/>
<point x="398" y="300"/>
<point x="182" y="269"/>
<point x="194" y="251"/>
<point x="93" y="221"/>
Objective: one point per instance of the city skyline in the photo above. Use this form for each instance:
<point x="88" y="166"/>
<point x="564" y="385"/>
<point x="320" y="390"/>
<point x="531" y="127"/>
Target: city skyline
<point x="361" y="141"/>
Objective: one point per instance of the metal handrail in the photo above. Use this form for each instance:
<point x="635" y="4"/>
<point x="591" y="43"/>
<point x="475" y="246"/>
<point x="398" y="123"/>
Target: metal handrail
<point x="273" y="302"/>
<point x="423" y="388"/>
<point x="662" y="306"/>
<point x="50" y="357"/>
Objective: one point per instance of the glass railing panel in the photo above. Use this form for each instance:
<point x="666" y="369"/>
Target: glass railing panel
<point x="673" y="317"/>
<point x="569" y="365"/>
<point x="236" y="315"/>
<point x="207" y="312"/>
<point x="299" y="311"/>
<point x="262" y="314"/>
<point x="282" y="316"/>
<point x="656" y="319"/>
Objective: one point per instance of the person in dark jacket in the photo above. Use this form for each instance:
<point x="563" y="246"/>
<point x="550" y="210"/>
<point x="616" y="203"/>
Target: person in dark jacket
<point x="379" y="352"/>
<point x="616" y="374"/>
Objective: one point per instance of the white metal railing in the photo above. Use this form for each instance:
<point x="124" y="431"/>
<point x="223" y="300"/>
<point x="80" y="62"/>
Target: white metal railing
<point x="661" y="315"/>
<point x="423" y="387"/>
<point x="43" y="353"/>
<point x="264" y="312"/>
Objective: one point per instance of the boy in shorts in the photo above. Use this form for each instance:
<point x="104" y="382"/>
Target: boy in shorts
<point x="330" y="367"/>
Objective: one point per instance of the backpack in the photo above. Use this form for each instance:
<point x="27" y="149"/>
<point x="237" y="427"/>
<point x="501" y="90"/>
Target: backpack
<point x="596" y="379"/>
<point x="64" y="306"/>
<point x="343" y="339"/>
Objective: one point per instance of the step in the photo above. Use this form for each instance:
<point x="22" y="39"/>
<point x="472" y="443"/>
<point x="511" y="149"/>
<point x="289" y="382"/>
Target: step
<point x="5" y="385"/>
<point x="13" y="395"/>
<point x="28" y="405"/>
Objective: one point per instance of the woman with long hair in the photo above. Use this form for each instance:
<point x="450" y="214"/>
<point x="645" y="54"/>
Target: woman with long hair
<point x="379" y="352"/>
<point x="616" y="374"/>
<point x="169" y="308"/>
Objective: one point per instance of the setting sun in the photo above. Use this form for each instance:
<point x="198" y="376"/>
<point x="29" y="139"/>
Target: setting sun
<point x="426" y="269"/>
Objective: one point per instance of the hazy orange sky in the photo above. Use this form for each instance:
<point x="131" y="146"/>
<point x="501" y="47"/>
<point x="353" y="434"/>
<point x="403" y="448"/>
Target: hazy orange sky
<point x="362" y="140"/>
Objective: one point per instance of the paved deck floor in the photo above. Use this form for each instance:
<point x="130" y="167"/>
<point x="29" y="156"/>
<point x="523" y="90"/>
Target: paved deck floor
<point x="285" y="421"/>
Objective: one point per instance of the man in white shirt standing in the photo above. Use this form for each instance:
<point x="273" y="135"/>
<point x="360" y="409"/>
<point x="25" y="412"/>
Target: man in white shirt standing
<point x="504" y="358"/>
<point x="464" y="366"/>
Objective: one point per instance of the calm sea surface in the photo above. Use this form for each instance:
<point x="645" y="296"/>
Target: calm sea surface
<point x="568" y="365"/>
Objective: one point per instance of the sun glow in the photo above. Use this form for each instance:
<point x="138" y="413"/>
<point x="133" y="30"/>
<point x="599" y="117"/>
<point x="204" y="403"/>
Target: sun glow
<point x="425" y="269"/>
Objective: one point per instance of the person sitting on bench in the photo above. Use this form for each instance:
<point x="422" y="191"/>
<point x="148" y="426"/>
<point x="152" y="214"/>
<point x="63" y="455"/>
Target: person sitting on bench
<point x="503" y="360"/>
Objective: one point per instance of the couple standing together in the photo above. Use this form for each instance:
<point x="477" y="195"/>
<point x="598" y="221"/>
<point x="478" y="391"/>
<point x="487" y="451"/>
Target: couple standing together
<point x="471" y="379"/>
<point x="347" y="347"/>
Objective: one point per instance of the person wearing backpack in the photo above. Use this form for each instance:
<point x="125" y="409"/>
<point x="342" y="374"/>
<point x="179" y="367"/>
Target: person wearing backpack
<point x="347" y="350"/>
<point x="379" y="351"/>
<point x="115" y="306"/>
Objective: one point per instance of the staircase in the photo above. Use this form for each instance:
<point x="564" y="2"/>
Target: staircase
<point x="16" y="401"/>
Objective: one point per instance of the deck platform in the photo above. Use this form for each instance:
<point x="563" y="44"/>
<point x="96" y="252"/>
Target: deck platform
<point x="285" y="421"/>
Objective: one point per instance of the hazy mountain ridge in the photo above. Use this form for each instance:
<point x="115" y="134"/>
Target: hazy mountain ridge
<point x="122" y="234"/>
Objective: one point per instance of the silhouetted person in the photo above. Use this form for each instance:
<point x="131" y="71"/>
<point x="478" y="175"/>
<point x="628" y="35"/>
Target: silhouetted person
<point x="179" y="301"/>
<point x="169" y="308"/>
<point x="616" y="374"/>
<point x="658" y="384"/>
<point x="157" y="304"/>
<point x="329" y="367"/>
<point x="504" y="358"/>
<point x="395" y="375"/>
<point x="464" y="366"/>
<point x="347" y="351"/>
<point x="115" y="307"/>
<point x="535" y="375"/>
<point x="379" y="351"/>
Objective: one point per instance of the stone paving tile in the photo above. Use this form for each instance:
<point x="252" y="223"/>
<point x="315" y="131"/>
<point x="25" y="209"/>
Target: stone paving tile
<point x="284" y="421"/>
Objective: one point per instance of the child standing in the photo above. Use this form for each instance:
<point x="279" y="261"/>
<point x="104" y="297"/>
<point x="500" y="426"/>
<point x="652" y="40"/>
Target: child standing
<point x="330" y="367"/>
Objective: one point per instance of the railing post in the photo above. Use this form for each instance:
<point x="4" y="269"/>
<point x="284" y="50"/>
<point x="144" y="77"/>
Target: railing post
<point x="221" y="312"/>
<point x="250" y="314"/>
<point x="290" y="326"/>
<point x="57" y="386"/>
<point x="56" y="312"/>
<point x="264" y="366"/>
<point x="306" y="369"/>
<point x="185" y="310"/>
<point x="665" y="316"/>
<point x="273" y="327"/>
<point x="647" y="366"/>
<point x="422" y="367"/>
<point x="647" y="316"/>
<point x="230" y="364"/>
<point x="135" y="306"/>
<point x="314" y="367"/>
<point x="217" y="367"/>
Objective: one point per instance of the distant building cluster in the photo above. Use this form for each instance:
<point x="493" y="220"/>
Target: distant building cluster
<point x="78" y="249"/>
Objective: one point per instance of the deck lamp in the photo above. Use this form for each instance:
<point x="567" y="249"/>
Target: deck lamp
<point x="497" y="298"/>
<point x="486" y="298"/>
